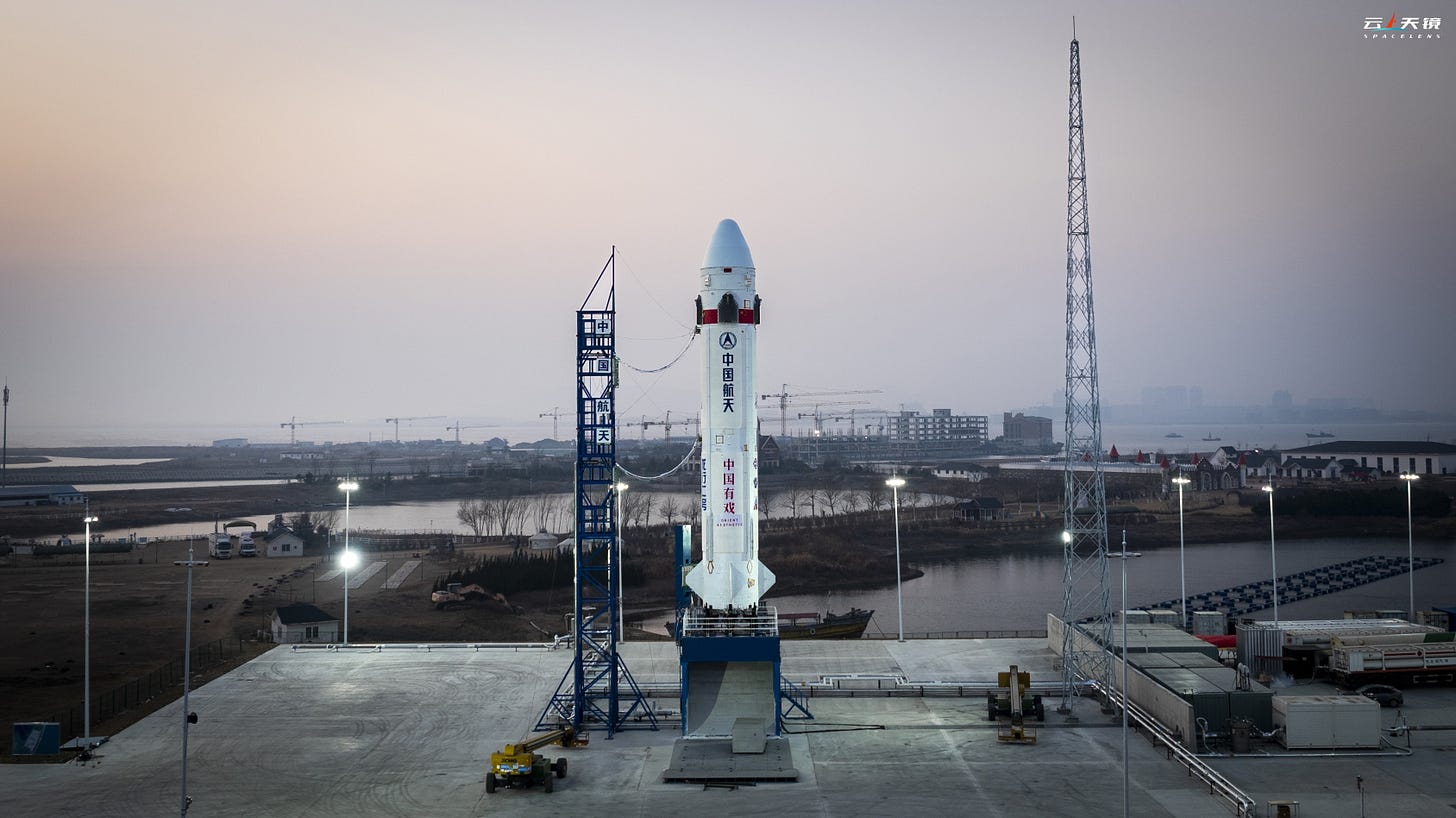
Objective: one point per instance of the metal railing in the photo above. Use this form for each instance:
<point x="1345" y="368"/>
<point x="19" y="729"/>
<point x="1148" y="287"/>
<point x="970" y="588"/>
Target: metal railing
<point x="762" y="621"/>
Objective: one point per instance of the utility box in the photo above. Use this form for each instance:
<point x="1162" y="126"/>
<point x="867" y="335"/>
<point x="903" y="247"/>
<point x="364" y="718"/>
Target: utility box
<point x="1327" y="722"/>
<point x="1162" y="616"/>
<point x="1210" y="623"/>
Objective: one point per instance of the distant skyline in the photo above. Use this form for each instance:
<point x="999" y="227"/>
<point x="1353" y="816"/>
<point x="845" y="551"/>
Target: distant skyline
<point x="241" y="214"/>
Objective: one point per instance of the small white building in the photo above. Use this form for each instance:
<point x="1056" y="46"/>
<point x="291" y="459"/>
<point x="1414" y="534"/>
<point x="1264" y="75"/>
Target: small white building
<point x="542" y="541"/>
<point x="282" y="543"/>
<point x="302" y="622"/>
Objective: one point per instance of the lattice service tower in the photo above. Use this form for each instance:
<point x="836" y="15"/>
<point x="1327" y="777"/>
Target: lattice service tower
<point x="1084" y="582"/>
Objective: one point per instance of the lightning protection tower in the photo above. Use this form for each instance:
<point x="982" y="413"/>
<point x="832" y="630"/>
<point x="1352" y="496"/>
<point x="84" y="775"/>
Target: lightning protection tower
<point x="597" y="689"/>
<point x="1084" y="515"/>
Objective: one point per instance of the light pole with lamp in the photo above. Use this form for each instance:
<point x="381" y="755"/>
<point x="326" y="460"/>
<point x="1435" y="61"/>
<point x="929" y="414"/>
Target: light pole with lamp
<point x="187" y="718"/>
<point x="86" y="738"/>
<point x="895" y="482"/>
<point x="617" y="488"/>
<point x="1124" y="555"/>
<point x="348" y="559"/>
<point x="1180" y="481"/>
<point x="1273" y="560"/>
<point x="1410" y="541"/>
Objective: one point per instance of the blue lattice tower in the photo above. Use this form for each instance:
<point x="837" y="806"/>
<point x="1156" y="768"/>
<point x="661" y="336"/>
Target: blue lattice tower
<point x="592" y="691"/>
<point x="1085" y="604"/>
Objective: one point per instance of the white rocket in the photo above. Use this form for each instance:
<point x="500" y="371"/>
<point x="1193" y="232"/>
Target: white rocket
<point x="728" y="314"/>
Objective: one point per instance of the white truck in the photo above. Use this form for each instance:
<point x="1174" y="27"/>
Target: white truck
<point x="243" y="541"/>
<point x="220" y="546"/>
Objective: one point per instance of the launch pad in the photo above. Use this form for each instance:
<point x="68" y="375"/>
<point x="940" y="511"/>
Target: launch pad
<point x="715" y="760"/>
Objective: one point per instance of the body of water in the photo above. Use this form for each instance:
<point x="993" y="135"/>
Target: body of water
<point x="1015" y="589"/>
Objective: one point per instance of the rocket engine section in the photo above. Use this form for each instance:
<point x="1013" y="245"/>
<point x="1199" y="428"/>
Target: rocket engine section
<point x="728" y="315"/>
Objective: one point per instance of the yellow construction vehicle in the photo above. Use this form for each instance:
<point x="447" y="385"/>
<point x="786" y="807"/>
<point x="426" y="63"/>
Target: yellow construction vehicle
<point x="1010" y="705"/>
<point x="518" y="765"/>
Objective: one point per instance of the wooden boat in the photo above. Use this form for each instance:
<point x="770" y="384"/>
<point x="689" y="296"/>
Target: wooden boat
<point x="824" y="626"/>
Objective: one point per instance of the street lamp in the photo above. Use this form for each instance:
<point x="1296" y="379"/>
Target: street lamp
<point x="190" y="562"/>
<point x="1124" y="555"/>
<point x="1273" y="563"/>
<point x="895" y="482"/>
<point x="88" y="520"/>
<point x="1181" y="481"/>
<point x="348" y="559"/>
<point x="620" y="487"/>
<point x="1410" y="541"/>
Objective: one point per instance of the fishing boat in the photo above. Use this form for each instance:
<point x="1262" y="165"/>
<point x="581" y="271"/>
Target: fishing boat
<point x="1211" y="439"/>
<point x="1320" y="433"/>
<point x="828" y="625"/>
<point x="1172" y="434"/>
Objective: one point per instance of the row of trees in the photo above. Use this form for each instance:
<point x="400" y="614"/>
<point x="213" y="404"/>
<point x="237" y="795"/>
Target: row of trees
<point x="530" y="572"/>
<point x="514" y="513"/>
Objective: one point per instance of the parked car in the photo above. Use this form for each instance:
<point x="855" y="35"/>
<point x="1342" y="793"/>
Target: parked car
<point x="1386" y="695"/>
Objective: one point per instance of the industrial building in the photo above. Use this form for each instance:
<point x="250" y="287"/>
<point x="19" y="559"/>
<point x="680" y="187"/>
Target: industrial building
<point x="937" y="427"/>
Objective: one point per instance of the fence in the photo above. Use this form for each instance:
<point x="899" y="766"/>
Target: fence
<point x="1029" y="634"/>
<point x="142" y="690"/>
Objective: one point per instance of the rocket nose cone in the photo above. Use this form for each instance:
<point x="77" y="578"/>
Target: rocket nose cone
<point x="727" y="247"/>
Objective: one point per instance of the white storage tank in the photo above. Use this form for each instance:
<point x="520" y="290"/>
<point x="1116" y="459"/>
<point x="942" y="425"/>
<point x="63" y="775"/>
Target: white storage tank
<point x="1327" y="722"/>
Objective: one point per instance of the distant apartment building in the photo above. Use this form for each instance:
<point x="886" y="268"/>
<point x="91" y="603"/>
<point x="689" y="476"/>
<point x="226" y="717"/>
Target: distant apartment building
<point x="230" y="443"/>
<point x="938" y="426"/>
<point x="1027" y="430"/>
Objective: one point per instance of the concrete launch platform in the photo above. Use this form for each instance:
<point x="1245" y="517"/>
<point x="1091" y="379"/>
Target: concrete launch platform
<point x="406" y="732"/>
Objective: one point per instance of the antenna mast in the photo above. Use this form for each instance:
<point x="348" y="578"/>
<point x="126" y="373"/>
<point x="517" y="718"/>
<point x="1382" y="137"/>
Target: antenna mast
<point x="1087" y="632"/>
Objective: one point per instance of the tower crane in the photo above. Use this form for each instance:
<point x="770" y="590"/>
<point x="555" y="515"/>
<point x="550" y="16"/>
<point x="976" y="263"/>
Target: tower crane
<point x="785" y="397"/>
<point x="666" y="423"/>
<point x="555" y="415"/>
<point x="293" y="423"/>
<point x="457" y="427"/>
<point x="396" y="421"/>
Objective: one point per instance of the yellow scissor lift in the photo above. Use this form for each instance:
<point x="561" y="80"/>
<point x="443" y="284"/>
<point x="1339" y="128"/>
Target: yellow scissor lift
<point x="1010" y="704"/>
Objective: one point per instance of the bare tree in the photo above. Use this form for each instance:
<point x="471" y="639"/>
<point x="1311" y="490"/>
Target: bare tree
<point x="473" y="515"/>
<point x="833" y="495"/>
<point x="507" y="513"/>
<point x="876" y="499"/>
<point x="670" y="509"/>
<point x="852" y="501"/>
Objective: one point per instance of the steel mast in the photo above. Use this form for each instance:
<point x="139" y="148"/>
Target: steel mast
<point x="1085" y="599"/>
<point x="597" y="689"/>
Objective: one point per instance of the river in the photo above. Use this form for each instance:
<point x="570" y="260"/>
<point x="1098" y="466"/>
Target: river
<point x="1014" y="589"/>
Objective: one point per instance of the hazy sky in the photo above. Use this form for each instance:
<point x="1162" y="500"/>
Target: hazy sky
<point x="242" y="212"/>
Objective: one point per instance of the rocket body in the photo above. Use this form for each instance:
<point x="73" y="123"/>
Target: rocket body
<point x="729" y="574"/>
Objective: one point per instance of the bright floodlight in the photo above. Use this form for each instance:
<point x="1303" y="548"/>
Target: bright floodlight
<point x="1182" y="481"/>
<point x="348" y="559"/>
<point x="348" y="485"/>
<point x="1066" y="536"/>
<point x="895" y="482"/>
<point x="90" y="519"/>
<point x="620" y="486"/>
<point x="1410" y="477"/>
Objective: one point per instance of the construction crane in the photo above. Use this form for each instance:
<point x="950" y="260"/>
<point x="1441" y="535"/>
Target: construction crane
<point x="293" y="423"/>
<point x="457" y="427"/>
<point x="396" y="421"/>
<point x="555" y="415"/>
<point x="785" y="397"/>
<point x="666" y="424"/>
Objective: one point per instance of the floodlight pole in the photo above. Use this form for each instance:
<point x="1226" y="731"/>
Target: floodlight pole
<point x="1410" y="544"/>
<point x="1181" y="481"/>
<point x="87" y="721"/>
<point x="190" y="562"/>
<point x="895" y="482"/>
